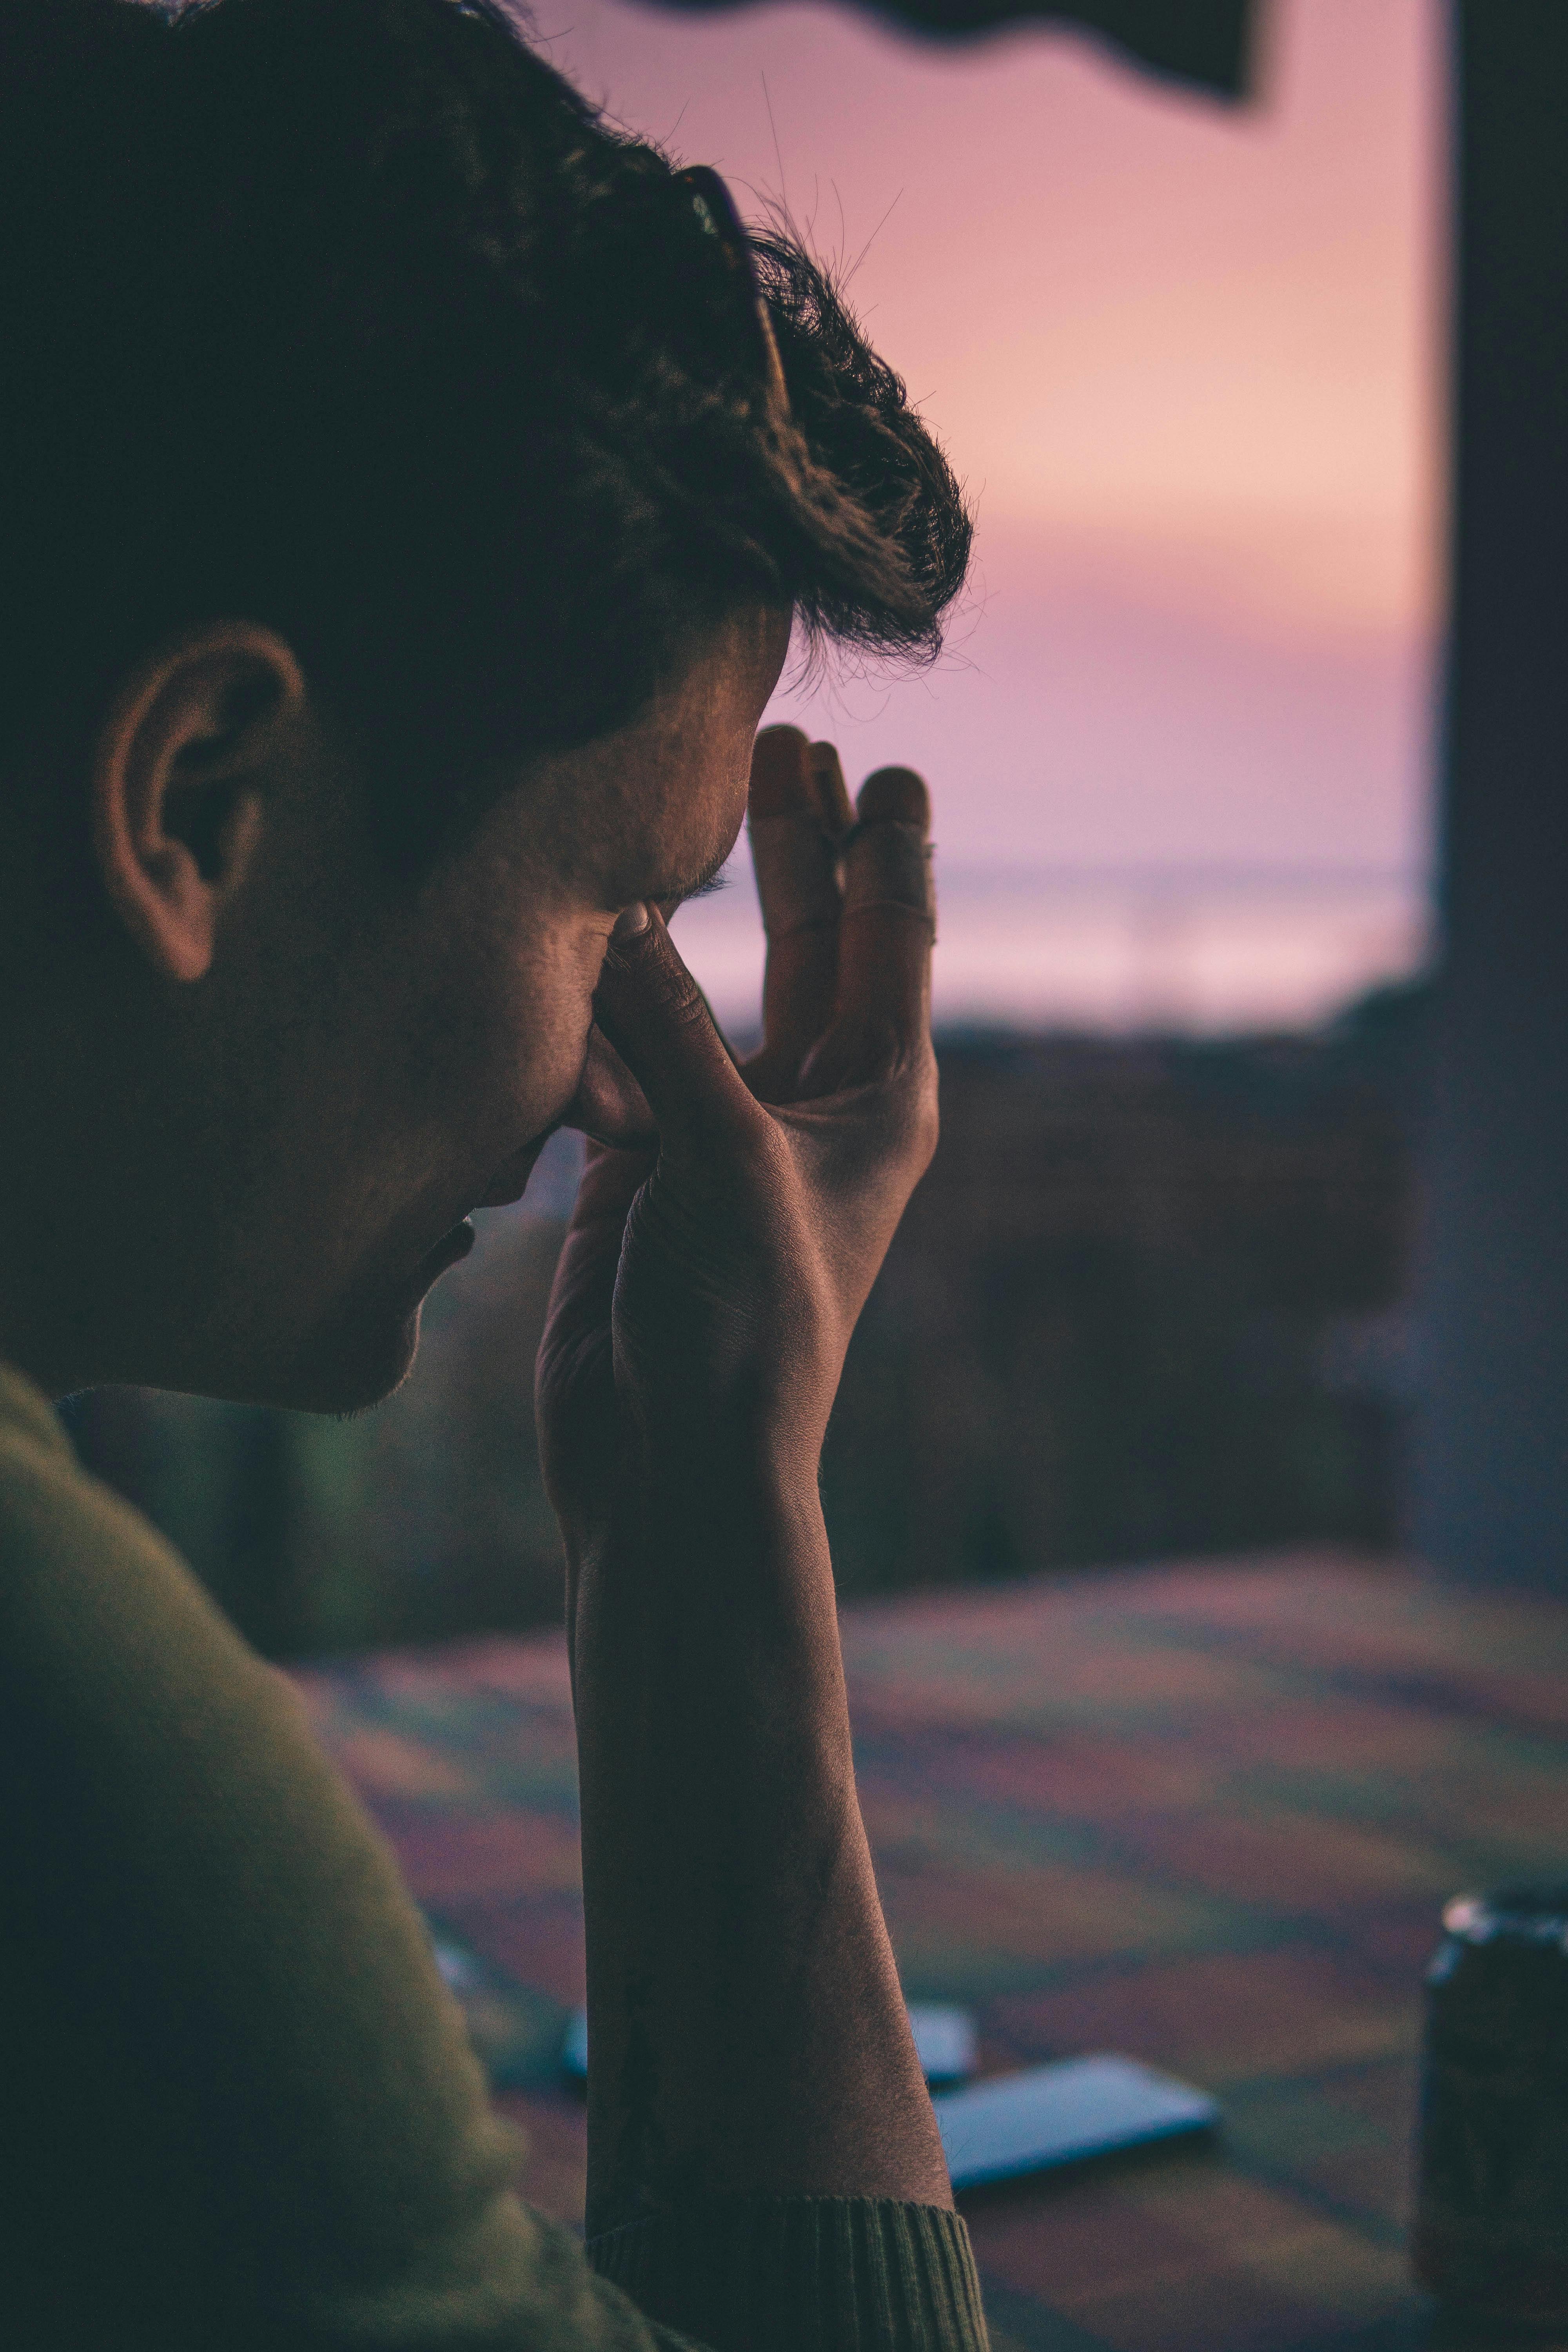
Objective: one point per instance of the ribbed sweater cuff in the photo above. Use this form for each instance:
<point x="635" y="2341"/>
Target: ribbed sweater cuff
<point x="803" y="2275"/>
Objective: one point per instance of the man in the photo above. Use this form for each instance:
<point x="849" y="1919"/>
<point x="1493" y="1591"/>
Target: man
<point x="409" y="488"/>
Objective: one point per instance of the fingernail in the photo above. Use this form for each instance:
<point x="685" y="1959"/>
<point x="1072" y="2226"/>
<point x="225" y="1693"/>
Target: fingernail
<point x="630" y="921"/>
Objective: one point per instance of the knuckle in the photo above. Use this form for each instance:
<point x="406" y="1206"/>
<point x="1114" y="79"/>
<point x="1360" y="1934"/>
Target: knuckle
<point x="671" y="987"/>
<point x="680" y="998"/>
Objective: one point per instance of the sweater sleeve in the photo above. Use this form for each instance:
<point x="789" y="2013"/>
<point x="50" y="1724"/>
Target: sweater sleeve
<point x="803" y="2275"/>
<point x="241" y="2107"/>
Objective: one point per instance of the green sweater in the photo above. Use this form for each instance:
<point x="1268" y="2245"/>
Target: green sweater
<point x="239" y="2109"/>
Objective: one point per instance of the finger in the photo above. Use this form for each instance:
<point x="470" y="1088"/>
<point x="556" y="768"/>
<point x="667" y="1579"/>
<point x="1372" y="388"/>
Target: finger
<point x="585" y="1272"/>
<point x="656" y="1018"/>
<point x="584" y="1288"/>
<point x="574" y="1372"/>
<point x="796" y="807"/>
<point x="609" y="1107"/>
<point x="833" y="803"/>
<point x="888" y="923"/>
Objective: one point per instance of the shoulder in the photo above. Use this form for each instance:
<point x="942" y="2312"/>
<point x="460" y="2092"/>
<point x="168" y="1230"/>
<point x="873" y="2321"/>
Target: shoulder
<point x="222" y="1967"/>
<point x="99" y="1614"/>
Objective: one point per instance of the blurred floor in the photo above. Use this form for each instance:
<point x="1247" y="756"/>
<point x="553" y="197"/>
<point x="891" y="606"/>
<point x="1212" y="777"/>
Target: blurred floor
<point x="1206" y="1815"/>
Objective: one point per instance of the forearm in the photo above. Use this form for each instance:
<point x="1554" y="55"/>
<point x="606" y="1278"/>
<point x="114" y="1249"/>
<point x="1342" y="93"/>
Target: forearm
<point x="747" y="2029"/>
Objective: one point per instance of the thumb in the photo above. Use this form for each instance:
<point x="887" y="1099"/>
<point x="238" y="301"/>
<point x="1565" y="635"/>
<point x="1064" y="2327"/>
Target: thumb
<point x="656" y="1018"/>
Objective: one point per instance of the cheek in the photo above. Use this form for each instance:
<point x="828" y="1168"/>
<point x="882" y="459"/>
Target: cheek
<point x="541" y="1010"/>
<point x="495" y="1028"/>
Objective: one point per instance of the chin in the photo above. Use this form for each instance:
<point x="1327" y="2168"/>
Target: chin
<point x="343" y="1366"/>
<point x="354" y="1355"/>
<point x="354" y="1367"/>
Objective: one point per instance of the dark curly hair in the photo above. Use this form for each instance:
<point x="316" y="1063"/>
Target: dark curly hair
<point x="353" y="317"/>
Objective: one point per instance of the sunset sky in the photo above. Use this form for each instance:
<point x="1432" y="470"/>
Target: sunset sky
<point x="1183" y="356"/>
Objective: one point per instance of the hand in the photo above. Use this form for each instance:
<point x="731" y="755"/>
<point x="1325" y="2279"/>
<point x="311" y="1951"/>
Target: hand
<point x="708" y="1288"/>
<point x="748" y="2032"/>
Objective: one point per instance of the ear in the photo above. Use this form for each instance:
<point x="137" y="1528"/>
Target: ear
<point x="179" y="784"/>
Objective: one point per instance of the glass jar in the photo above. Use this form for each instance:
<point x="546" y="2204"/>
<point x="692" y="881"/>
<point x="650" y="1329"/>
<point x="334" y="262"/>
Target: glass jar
<point x="1491" y="2206"/>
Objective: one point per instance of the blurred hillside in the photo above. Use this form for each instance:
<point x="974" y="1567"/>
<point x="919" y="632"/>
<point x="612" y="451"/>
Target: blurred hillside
<point x="1150" y="1299"/>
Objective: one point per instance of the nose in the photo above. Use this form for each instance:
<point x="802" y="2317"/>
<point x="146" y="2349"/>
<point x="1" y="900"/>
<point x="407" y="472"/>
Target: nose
<point x="609" y="1107"/>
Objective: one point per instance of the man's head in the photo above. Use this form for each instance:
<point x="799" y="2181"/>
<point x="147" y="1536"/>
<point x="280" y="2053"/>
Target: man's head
<point x="397" y="548"/>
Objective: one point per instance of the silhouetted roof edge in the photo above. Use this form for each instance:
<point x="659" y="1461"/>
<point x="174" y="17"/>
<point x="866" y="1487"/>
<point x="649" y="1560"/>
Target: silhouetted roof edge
<point x="1210" y="43"/>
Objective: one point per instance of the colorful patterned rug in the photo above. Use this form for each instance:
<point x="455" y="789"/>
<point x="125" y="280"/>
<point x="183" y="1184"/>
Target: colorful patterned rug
<point x="1206" y="1815"/>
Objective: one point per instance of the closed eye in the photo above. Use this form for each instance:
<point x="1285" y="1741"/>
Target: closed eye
<point x="675" y="891"/>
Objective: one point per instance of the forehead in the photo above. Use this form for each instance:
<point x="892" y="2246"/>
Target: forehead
<point x="649" y="810"/>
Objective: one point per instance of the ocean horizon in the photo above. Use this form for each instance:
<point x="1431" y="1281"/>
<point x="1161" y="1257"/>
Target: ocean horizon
<point x="1201" y="950"/>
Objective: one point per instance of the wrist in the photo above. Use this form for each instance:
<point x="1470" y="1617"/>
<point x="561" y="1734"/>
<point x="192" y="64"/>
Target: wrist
<point x="705" y="1605"/>
<point x="687" y="1486"/>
